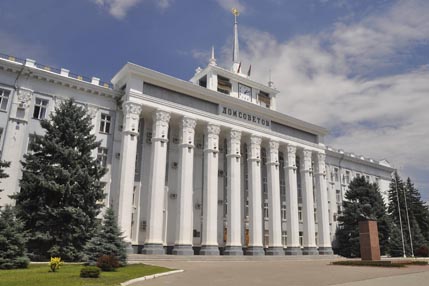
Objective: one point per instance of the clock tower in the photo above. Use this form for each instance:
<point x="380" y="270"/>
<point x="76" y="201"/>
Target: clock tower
<point x="233" y="82"/>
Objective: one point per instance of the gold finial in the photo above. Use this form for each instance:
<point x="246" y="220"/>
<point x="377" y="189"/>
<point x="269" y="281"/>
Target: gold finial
<point x="235" y="12"/>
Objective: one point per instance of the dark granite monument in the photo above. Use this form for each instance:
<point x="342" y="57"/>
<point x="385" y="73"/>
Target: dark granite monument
<point x="368" y="237"/>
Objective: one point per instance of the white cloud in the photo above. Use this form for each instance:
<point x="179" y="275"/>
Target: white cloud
<point x="229" y="4"/>
<point x="324" y="79"/>
<point x="120" y="8"/>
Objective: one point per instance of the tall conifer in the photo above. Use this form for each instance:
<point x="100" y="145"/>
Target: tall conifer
<point x="360" y="195"/>
<point x="61" y="192"/>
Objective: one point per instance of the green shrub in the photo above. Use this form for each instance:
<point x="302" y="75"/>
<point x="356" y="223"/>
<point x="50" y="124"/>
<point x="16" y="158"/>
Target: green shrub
<point x="108" y="263"/>
<point x="385" y="263"/>
<point x="90" y="272"/>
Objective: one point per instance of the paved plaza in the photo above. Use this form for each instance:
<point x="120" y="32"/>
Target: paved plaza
<point x="248" y="271"/>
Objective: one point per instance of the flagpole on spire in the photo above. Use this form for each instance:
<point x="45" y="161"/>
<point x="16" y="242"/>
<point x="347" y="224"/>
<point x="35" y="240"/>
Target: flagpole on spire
<point x="212" y="58"/>
<point x="235" y="53"/>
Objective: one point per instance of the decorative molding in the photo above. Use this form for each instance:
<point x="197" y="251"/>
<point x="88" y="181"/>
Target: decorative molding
<point x="255" y="140"/>
<point x="212" y="129"/>
<point x="188" y="123"/>
<point x="24" y="97"/>
<point x="235" y="135"/>
<point x="132" y="109"/>
<point x="291" y="150"/>
<point x="274" y="145"/>
<point x="161" y="116"/>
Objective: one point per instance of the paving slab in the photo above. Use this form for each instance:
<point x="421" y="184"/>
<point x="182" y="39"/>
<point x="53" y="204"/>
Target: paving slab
<point x="249" y="271"/>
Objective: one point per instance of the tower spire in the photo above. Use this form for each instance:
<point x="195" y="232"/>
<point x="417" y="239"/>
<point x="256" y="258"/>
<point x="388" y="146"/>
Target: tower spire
<point x="212" y="58"/>
<point x="235" y="48"/>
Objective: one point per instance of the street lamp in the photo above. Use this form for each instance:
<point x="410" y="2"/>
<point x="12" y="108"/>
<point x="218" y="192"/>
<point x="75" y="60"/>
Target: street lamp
<point x="399" y="213"/>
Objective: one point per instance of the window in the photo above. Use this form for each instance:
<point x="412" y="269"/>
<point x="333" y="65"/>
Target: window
<point x="40" y="108"/>
<point x="105" y="123"/>
<point x="347" y="177"/>
<point x="264" y="185"/>
<point x="264" y="99"/>
<point x="284" y="214"/>
<point x="301" y="234"/>
<point x="4" y="98"/>
<point x="300" y="213"/>
<point x="336" y="174"/>
<point x="284" y="238"/>
<point x="265" y="210"/>
<point x="223" y="85"/>
<point x="316" y="235"/>
<point x="102" y="156"/>
<point x="246" y="209"/>
<point x="315" y="215"/>
<point x="338" y="197"/>
<point x="266" y="237"/>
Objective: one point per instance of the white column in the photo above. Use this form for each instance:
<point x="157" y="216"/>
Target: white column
<point x="324" y="240"/>
<point x="309" y="236"/>
<point x="275" y="246"/>
<point x="233" y="243"/>
<point x="128" y="163"/>
<point x="154" y="238"/>
<point x="209" y="245"/>
<point x="256" y="246"/>
<point x="292" y="224"/>
<point x="184" y="226"/>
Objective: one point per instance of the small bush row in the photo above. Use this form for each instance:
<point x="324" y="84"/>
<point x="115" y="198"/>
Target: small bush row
<point x="384" y="263"/>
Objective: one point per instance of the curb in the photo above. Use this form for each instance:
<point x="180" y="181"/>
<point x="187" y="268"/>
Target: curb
<point x="149" y="277"/>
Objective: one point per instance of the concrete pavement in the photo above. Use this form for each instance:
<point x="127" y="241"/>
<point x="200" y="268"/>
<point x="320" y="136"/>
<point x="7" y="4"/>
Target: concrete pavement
<point x="302" y="270"/>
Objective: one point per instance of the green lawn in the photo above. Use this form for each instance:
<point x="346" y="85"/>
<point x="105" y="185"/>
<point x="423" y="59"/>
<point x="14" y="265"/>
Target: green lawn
<point x="68" y="275"/>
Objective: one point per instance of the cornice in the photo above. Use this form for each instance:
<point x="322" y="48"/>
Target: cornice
<point x="345" y="157"/>
<point x="175" y="84"/>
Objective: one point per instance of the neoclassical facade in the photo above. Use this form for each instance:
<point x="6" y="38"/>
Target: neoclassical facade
<point x="206" y="166"/>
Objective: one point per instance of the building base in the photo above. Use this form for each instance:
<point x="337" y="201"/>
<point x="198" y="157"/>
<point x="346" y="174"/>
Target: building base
<point x="275" y="251"/>
<point x="233" y="251"/>
<point x="310" y="251"/>
<point x="153" y="248"/>
<point x="255" y="251"/>
<point x="209" y="250"/>
<point x="325" y="251"/>
<point x="296" y="250"/>
<point x="183" y="250"/>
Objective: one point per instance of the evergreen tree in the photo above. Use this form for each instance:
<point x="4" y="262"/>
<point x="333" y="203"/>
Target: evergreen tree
<point x="395" y="241"/>
<point x="3" y="165"/>
<point x="418" y="213"/>
<point x="107" y="241"/>
<point x="360" y="196"/>
<point x="12" y="241"/>
<point x="61" y="190"/>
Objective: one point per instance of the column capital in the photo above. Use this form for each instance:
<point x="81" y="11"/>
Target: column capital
<point x="161" y="116"/>
<point x="273" y="158"/>
<point x="306" y="161"/>
<point x="291" y="149"/>
<point x="187" y="131"/>
<point x="24" y="97"/>
<point x="255" y="140"/>
<point x="188" y="123"/>
<point x="234" y="138"/>
<point x="212" y="129"/>
<point x="132" y="109"/>
<point x="320" y="167"/>
<point x="212" y="132"/>
<point x="254" y="148"/>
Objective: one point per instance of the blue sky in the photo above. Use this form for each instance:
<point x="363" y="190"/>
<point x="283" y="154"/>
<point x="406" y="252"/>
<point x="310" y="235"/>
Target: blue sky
<point x="359" y="68"/>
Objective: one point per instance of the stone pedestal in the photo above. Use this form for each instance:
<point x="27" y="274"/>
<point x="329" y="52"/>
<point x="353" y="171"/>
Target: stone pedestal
<point x="369" y="243"/>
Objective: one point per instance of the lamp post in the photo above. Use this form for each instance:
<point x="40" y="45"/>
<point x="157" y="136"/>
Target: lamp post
<point x="409" y="227"/>
<point x="399" y="213"/>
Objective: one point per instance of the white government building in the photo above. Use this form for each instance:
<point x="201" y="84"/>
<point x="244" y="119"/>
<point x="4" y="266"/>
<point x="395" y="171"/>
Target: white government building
<point x="206" y="166"/>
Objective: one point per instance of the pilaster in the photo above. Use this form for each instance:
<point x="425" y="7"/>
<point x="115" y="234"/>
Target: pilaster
<point x="131" y="112"/>
<point x="292" y="224"/>
<point x="275" y="246"/>
<point x="154" y="231"/>
<point x="183" y="244"/>
<point x="233" y="243"/>
<point x="211" y="158"/>
<point x="325" y="247"/>
<point x="255" y="247"/>
<point x="309" y="236"/>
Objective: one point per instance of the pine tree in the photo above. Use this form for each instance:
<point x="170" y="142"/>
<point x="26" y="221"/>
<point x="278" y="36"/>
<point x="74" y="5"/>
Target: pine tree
<point x="107" y="241"/>
<point x="12" y="241"/>
<point x="418" y="213"/>
<point x="395" y="241"/>
<point x="360" y="195"/>
<point x="61" y="190"/>
<point x="3" y="165"/>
